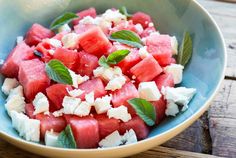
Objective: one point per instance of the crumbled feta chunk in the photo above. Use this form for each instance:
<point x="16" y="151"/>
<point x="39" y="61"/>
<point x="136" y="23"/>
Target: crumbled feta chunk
<point x="16" y="103"/>
<point x="102" y="105"/>
<point x="176" y="70"/>
<point x="51" y="51"/>
<point x="107" y="73"/>
<point x="129" y="137"/>
<point x="55" y="43"/>
<point x="41" y="103"/>
<point x="174" y="45"/>
<point x="77" y="79"/>
<point x="19" y="39"/>
<point x="15" y="91"/>
<point x="8" y="84"/>
<point x="70" y="40"/>
<point x="81" y="79"/>
<point x="51" y="139"/>
<point x="64" y="28"/>
<point x="113" y="16"/>
<point x="70" y="104"/>
<point x="116" y="83"/>
<point x="138" y="28"/>
<point x="149" y="91"/>
<point x="150" y="24"/>
<point x="83" y="109"/>
<point x="120" y="112"/>
<point x="90" y="98"/>
<point x="75" y="93"/>
<point x="172" y="109"/>
<point x="102" y="23"/>
<point x="112" y="140"/>
<point x="18" y="121"/>
<point x="58" y="113"/>
<point x="87" y="20"/>
<point x="143" y="53"/>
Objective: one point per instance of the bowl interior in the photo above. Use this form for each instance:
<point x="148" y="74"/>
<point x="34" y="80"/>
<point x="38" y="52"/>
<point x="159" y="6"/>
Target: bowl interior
<point x="172" y="17"/>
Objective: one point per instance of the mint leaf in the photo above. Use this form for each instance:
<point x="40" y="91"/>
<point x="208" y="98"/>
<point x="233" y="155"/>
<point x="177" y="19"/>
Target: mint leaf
<point x="186" y="49"/>
<point x="127" y="37"/>
<point x="58" y="72"/>
<point x="103" y="62"/>
<point x="124" y="11"/>
<point x="117" y="56"/>
<point x="63" y="19"/>
<point x="144" y="109"/>
<point x="66" y="138"/>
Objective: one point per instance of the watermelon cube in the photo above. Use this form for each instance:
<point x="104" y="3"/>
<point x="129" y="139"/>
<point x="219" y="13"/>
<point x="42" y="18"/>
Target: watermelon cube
<point x="141" y="18"/>
<point x="43" y="48"/>
<point x="37" y="33"/>
<point x="120" y="97"/>
<point x="33" y="77"/>
<point x="29" y="110"/>
<point x="85" y="131"/>
<point x="146" y="70"/>
<point x="160" y="48"/>
<point x="164" y="80"/>
<point x="137" y="124"/>
<point x="106" y="125"/>
<point x="49" y="122"/>
<point x="86" y="64"/>
<point x="56" y="94"/>
<point x="21" y="52"/>
<point x="68" y="57"/>
<point x="95" y="42"/>
<point x="88" y="12"/>
<point x="160" y="107"/>
<point x="95" y="85"/>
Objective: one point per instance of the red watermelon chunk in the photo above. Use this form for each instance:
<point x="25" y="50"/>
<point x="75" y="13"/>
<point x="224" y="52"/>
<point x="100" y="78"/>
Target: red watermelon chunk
<point x="95" y="42"/>
<point x="106" y="125"/>
<point x="37" y="33"/>
<point x="88" y="12"/>
<point x="160" y="107"/>
<point x="44" y="47"/>
<point x="136" y="123"/>
<point x="120" y="97"/>
<point x="68" y="57"/>
<point x="94" y="85"/>
<point x="87" y="63"/>
<point x="85" y="131"/>
<point x="164" y="80"/>
<point x="146" y="70"/>
<point x="141" y="18"/>
<point x="49" y="122"/>
<point x="160" y="48"/>
<point x="33" y="77"/>
<point x="29" y="110"/>
<point x="56" y="94"/>
<point x="21" y="52"/>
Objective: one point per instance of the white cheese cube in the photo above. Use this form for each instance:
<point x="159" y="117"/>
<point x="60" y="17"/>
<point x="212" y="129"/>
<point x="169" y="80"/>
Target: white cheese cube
<point x="41" y="103"/>
<point x="176" y="70"/>
<point x="64" y="28"/>
<point x="143" y="53"/>
<point x="51" y="139"/>
<point x="83" y="109"/>
<point x="18" y="121"/>
<point x="138" y="28"/>
<point x="8" y="84"/>
<point x="32" y="130"/>
<point x="16" y="91"/>
<point x="58" y="113"/>
<point x="87" y="20"/>
<point x="81" y="79"/>
<point x="172" y="109"/>
<point x="112" y="140"/>
<point x="75" y="93"/>
<point x="174" y="45"/>
<point x="102" y="105"/>
<point x="116" y="83"/>
<point x="19" y="39"/>
<point x="90" y="98"/>
<point x="77" y="79"/>
<point x="55" y="43"/>
<point x="149" y="91"/>
<point x="129" y="137"/>
<point x="120" y="112"/>
<point x="107" y="73"/>
<point x="70" y="40"/>
<point x="16" y="103"/>
<point x="102" y="23"/>
<point x="70" y="104"/>
<point x="113" y="16"/>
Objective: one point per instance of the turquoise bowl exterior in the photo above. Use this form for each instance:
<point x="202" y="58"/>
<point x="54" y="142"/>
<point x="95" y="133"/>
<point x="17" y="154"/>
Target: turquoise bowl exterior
<point x="205" y="71"/>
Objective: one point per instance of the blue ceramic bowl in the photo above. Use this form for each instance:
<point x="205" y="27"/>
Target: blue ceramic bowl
<point x="205" y="71"/>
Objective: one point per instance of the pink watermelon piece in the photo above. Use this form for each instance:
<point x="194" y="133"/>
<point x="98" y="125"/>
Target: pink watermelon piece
<point x="164" y="80"/>
<point x="95" y="42"/>
<point x="137" y="124"/>
<point x="141" y="18"/>
<point x="36" y="34"/>
<point x="21" y="52"/>
<point x="160" y="107"/>
<point x="146" y="32"/>
<point x="88" y="12"/>
<point x="146" y="70"/>
<point x="29" y="110"/>
<point x="86" y="64"/>
<point x="44" y="47"/>
<point x="33" y="77"/>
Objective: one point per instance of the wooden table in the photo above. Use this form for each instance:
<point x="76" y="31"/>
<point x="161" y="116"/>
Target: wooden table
<point x="215" y="132"/>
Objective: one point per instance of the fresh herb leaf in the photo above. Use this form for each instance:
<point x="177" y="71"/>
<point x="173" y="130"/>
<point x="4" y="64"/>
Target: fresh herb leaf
<point x="186" y="49"/>
<point x="124" y="11"/>
<point x="144" y="109"/>
<point x="103" y="62"/>
<point x="127" y="37"/>
<point x="63" y="19"/>
<point x="66" y="138"/>
<point x="58" y="72"/>
<point x="38" y="54"/>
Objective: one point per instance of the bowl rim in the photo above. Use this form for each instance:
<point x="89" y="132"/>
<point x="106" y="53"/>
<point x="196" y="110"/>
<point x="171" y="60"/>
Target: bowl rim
<point x="153" y="141"/>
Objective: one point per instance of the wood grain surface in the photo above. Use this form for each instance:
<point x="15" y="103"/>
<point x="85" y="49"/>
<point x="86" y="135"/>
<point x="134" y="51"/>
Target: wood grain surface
<point x="215" y="132"/>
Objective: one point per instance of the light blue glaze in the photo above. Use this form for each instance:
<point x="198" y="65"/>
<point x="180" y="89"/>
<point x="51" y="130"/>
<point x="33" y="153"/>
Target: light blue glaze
<point x="171" y="16"/>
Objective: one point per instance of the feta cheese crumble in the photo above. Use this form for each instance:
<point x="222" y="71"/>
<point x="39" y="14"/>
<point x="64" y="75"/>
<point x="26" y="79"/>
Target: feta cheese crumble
<point x="19" y="39"/>
<point x="103" y="104"/>
<point x="15" y="91"/>
<point x="55" y="43"/>
<point x="149" y="91"/>
<point x="112" y="140"/>
<point x="15" y="103"/>
<point x="90" y="98"/>
<point x="77" y="79"/>
<point x="8" y="84"/>
<point x="64" y="28"/>
<point x="143" y="53"/>
<point x="138" y="28"/>
<point x="113" y="16"/>
<point x="70" y="40"/>
<point x="75" y="92"/>
<point x="174" y="45"/>
<point x="172" y="109"/>
<point x="176" y="70"/>
<point x="120" y="112"/>
<point x="83" y="109"/>
<point x="116" y="83"/>
<point x="107" y="73"/>
<point x="129" y="137"/>
<point x="70" y="104"/>
<point x="58" y="113"/>
<point x="41" y="103"/>
<point x="51" y="139"/>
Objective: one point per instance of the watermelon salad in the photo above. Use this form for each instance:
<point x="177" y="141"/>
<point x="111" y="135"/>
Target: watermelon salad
<point x="95" y="81"/>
